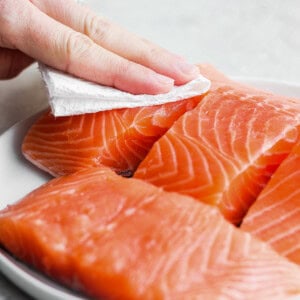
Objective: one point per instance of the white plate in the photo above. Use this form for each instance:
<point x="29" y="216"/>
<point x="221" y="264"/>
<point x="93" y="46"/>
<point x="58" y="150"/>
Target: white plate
<point x="18" y="177"/>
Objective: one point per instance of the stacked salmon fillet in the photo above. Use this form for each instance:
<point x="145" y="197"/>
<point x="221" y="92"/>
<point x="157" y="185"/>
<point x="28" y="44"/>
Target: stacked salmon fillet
<point x="213" y="210"/>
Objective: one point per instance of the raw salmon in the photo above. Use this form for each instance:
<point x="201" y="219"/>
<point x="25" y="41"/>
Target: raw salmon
<point x="275" y="215"/>
<point x="224" y="151"/>
<point x="119" y="138"/>
<point x="120" y="238"/>
<point x="218" y="79"/>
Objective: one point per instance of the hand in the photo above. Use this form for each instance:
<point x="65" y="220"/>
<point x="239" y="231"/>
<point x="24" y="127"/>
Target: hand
<point x="71" y="38"/>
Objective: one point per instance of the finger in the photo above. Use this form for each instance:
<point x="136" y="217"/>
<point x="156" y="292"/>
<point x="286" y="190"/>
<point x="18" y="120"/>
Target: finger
<point x="12" y="62"/>
<point x="112" y="37"/>
<point x="60" y="47"/>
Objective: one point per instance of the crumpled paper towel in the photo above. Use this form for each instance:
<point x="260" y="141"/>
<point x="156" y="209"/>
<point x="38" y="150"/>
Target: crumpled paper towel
<point x="72" y="96"/>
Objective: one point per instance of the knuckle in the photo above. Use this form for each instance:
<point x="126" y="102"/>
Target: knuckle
<point x="149" y="52"/>
<point x="10" y="12"/>
<point x="78" y="43"/>
<point x="7" y="16"/>
<point x="123" y="70"/>
<point x="153" y="52"/>
<point x="96" y="27"/>
<point x="76" y="46"/>
<point x="11" y="28"/>
<point x="6" y="11"/>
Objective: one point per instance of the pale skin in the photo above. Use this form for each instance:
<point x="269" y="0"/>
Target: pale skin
<point x="72" y="38"/>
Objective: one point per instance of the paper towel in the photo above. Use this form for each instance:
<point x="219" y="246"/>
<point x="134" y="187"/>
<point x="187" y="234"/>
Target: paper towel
<point x="72" y="96"/>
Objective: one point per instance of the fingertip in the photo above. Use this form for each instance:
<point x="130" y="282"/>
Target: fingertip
<point x="149" y="85"/>
<point x="174" y="66"/>
<point x="185" y="72"/>
<point x="139" y="80"/>
<point x="155" y="84"/>
<point x="161" y="84"/>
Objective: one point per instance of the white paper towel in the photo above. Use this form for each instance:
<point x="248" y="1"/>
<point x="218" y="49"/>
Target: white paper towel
<point x="72" y="96"/>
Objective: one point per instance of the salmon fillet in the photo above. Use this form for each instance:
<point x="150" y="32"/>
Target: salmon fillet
<point x="119" y="138"/>
<point x="275" y="215"/>
<point x="120" y="238"/>
<point x="224" y="151"/>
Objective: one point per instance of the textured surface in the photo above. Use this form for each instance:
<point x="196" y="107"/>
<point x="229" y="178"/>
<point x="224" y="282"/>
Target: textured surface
<point x="246" y="38"/>
<point x="95" y="231"/>
<point x="119" y="139"/>
<point x="275" y="215"/>
<point x="224" y="151"/>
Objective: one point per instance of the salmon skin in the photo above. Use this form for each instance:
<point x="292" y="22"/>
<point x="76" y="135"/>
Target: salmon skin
<point x="118" y="238"/>
<point x="275" y="215"/>
<point x="224" y="151"/>
<point x="119" y="138"/>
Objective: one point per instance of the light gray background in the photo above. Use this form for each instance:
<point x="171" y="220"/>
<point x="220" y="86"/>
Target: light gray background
<point x="241" y="37"/>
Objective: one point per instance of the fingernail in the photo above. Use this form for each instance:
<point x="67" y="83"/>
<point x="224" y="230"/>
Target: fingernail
<point x="187" y="68"/>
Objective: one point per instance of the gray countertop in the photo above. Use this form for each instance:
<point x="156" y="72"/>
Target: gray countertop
<point x="257" y="38"/>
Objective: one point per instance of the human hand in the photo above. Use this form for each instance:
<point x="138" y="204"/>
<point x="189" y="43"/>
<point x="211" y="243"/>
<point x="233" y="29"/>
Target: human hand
<point x="71" y="38"/>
